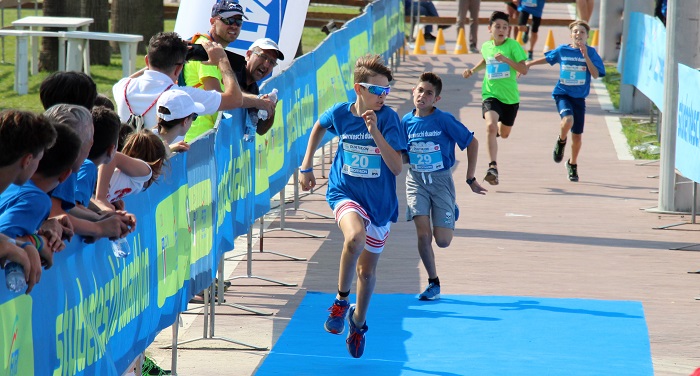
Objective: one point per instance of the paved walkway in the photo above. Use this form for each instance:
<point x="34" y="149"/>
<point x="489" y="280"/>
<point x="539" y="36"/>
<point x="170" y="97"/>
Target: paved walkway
<point x="535" y="234"/>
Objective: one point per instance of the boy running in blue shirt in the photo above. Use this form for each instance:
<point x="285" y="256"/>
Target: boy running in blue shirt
<point x="527" y="8"/>
<point x="430" y="189"/>
<point x="361" y="189"/>
<point x="577" y="64"/>
<point x="503" y="58"/>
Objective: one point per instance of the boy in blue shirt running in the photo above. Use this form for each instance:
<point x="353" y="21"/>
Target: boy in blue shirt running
<point x="527" y="8"/>
<point x="577" y="64"/>
<point x="430" y="189"/>
<point x="361" y="189"/>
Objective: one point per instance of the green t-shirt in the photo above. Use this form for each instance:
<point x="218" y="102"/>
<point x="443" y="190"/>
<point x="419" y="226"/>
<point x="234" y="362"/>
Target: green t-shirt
<point x="500" y="78"/>
<point x="194" y="72"/>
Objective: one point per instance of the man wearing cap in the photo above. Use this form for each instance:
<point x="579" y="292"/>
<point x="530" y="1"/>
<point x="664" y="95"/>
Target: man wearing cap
<point x="165" y="58"/>
<point x="260" y="58"/>
<point x="226" y="20"/>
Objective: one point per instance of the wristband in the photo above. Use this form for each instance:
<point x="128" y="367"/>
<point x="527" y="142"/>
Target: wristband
<point x="24" y="244"/>
<point x="307" y="170"/>
<point x="38" y="242"/>
<point x="471" y="181"/>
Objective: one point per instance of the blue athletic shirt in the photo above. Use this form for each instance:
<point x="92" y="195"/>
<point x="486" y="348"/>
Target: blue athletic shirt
<point x="534" y="7"/>
<point x="66" y="192"/>
<point x="23" y="209"/>
<point x="432" y="139"/>
<point x="574" y="77"/>
<point x="85" y="184"/>
<point x="358" y="172"/>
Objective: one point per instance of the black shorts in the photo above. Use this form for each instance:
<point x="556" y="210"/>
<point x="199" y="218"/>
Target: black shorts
<point x="522" y="21"/>
<point x="506" y="112"/>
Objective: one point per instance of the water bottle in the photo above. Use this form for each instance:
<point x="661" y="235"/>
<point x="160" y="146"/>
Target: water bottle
<point x="262" y="114"/>
<point x="14" y="277"/>
<point x="121" y="248"/>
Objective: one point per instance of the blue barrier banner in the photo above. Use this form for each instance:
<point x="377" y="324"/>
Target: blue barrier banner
<point x="355" y="31"/>
<point x="645" y="56"/>
<point x="200" y="213"/>
<point x="271" y="145"/>
<point x="688" y="123"/>
<point x="299" y="107"/>
<point x="380" y="38"/>
<point x="94" y="313"/>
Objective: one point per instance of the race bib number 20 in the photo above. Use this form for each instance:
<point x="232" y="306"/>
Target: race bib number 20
<point x="361" y="161"/>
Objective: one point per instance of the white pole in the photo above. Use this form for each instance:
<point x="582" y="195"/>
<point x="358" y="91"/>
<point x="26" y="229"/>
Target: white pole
<point x="682" y="46"/>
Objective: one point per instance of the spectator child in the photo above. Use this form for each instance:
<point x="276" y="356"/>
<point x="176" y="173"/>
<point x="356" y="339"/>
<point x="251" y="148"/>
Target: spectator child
<point x="133" y="170"/>
<point x="176" y="112"/>
<point x="24" y="137"/>
<point x="24" y="208"/>
<point x="63" y="196"/>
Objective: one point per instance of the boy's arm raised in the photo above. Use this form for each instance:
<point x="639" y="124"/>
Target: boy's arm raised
<point x="391" y="157"/>
<point x="521" y="67"/>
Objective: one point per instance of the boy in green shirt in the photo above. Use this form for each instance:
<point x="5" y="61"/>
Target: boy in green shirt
<point x="503" y="58"/>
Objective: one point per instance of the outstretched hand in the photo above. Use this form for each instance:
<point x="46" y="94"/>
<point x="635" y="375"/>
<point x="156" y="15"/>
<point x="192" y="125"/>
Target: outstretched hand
<point x="477" y="188"/>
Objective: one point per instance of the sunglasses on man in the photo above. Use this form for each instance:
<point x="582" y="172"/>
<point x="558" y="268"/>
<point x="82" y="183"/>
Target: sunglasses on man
<point x="376" y="89"/>
<point x="230" y="21"/>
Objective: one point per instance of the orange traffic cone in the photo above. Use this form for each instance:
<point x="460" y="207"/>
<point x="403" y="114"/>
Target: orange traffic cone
<point x="439" y="48"/>
<point x="419" y="49"/>
<point x="461" y="46"/>
<point x="594" y="39"/>
<point x="549" y="42"/>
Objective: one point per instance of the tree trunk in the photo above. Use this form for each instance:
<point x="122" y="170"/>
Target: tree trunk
<point x="140" y="17"/>
<point x="48" y="59"/>
<point x="95" y="9"/>
<point x="98" y="10"/>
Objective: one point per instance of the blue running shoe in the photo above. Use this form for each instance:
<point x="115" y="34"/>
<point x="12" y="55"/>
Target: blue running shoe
<point x="432" y="292"/>
<point x="356" y="336"/>
<point x="335" y="323"/>
<point x="456" y="212"/>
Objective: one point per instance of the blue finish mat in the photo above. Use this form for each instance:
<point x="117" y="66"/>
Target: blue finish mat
<point x="470" y="335"/>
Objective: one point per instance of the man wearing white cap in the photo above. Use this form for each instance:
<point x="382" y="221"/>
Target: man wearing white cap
<point x="261" y="58"/>
<point x="176" y="111"/>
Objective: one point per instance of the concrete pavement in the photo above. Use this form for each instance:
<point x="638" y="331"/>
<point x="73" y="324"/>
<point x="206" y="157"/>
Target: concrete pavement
<point x="535" y="234"/>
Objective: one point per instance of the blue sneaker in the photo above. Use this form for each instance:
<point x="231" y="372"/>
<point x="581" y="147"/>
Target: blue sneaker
<point x="456" y="212"/>
<point x="432" y="292"/>
<point x="356" y="336"/>
<point x="335" y="323"/>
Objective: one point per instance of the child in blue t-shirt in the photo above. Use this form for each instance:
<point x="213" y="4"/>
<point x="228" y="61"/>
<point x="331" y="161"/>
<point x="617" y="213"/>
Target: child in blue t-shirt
<point x="577" y="64"/>
<point x="361" y="189"/>
<point x="107" y="124"/>
<point x="527" y="8"/>
<point x="430" y="189"/>
<point x="24" y="137"/>
<point x="23" y="208"/>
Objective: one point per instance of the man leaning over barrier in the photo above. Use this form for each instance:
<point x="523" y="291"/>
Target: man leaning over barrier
<point x="165" y="59"/>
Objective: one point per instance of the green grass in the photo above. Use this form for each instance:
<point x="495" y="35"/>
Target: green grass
<point x="639" y="133"/>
